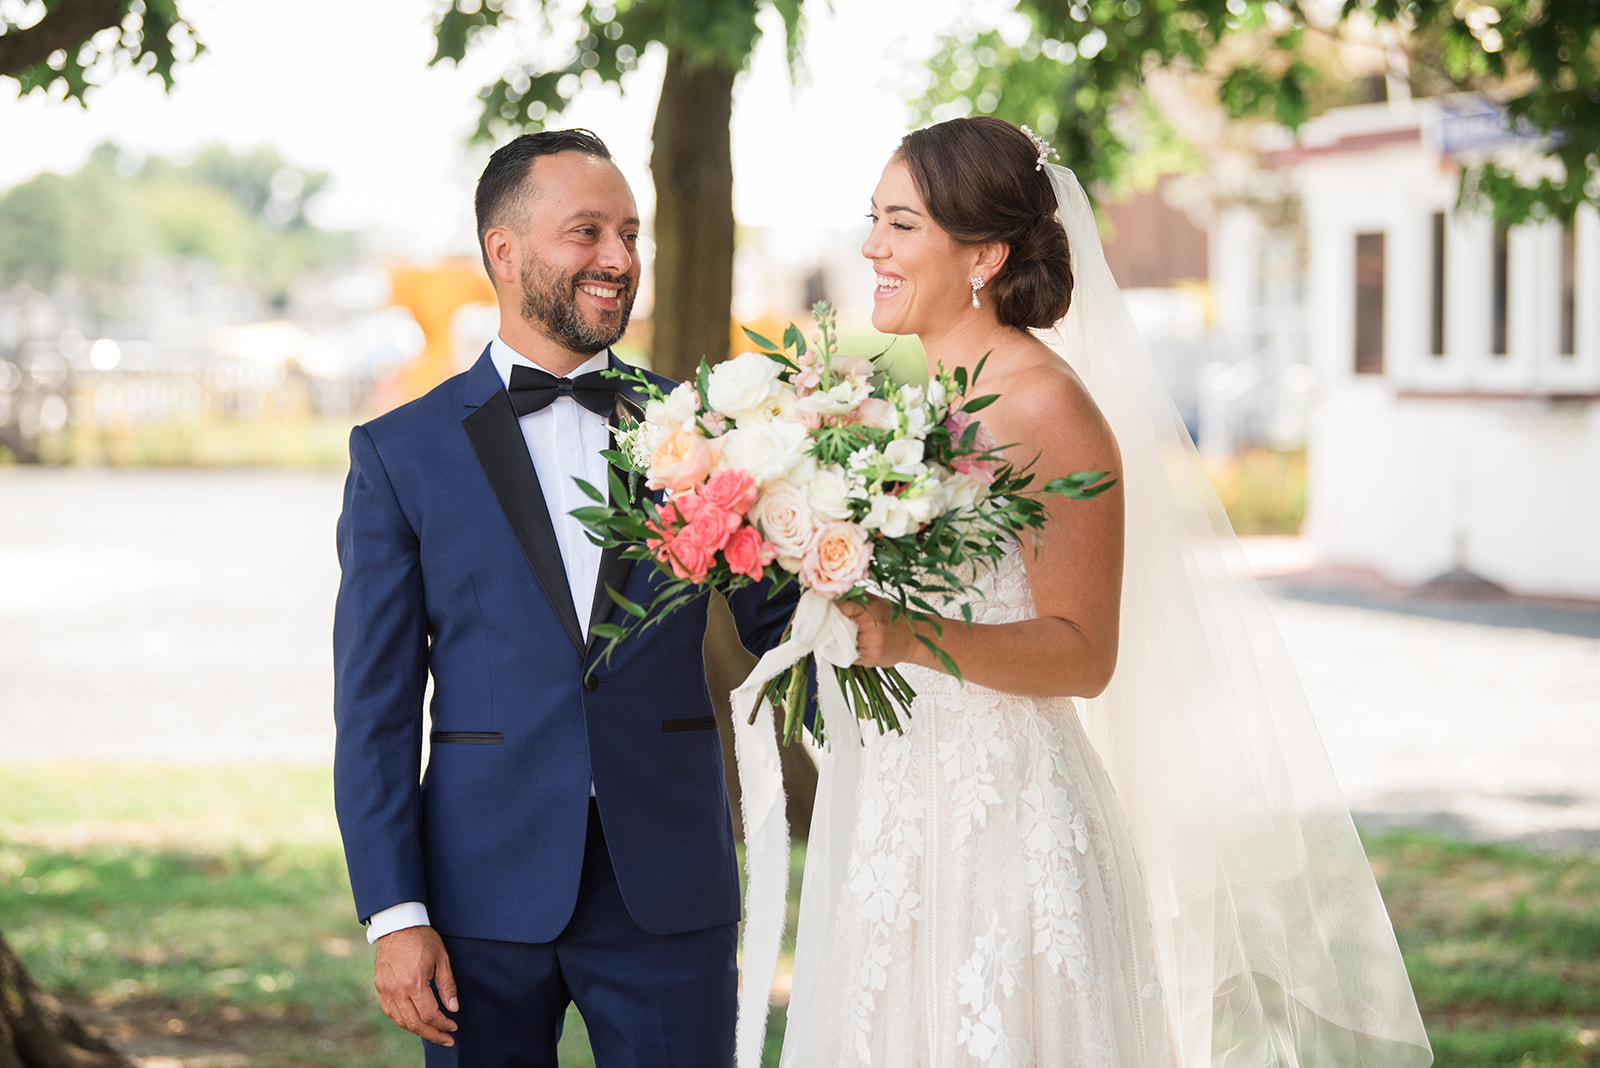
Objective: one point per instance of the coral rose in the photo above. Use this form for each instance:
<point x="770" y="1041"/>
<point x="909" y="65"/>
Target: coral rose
<point x="688" y="559"/>
<point x="731" y="489"/>
<point x="747" y="554"/>
<point x="708" y="525"/>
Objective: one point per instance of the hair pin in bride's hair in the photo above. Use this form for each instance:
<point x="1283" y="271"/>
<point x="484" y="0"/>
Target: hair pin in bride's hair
<point x="1045" y="151"/>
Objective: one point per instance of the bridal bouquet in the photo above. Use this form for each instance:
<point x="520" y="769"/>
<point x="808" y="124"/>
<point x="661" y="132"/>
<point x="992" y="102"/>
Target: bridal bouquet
<point x="799" y="464"/>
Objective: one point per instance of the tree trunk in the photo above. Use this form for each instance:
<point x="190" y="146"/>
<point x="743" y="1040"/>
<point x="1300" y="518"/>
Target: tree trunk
<point x="692" y="164"/>
<point x="36" y="1031"/>
<point x="65" y="26"/>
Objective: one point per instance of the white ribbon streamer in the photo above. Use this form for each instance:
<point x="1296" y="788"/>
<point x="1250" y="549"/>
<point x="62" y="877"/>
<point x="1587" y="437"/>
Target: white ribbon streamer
<point x="822" y="631"/>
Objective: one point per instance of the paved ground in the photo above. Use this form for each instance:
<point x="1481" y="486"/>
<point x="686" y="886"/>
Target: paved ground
<point x="184" y="616"/>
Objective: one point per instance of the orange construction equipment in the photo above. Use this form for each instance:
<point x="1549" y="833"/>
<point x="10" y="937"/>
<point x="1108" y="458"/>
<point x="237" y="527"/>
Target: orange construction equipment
<point x="433" y="295"/>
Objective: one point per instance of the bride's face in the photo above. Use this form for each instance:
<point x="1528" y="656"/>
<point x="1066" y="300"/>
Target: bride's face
<point x="922" y="273"/>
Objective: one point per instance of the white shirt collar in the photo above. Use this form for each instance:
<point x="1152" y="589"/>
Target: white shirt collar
<point x="504" y="357"/>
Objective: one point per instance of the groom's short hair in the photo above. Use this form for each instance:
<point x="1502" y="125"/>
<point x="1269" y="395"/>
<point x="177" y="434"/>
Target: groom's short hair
<point x="505" y="189"/>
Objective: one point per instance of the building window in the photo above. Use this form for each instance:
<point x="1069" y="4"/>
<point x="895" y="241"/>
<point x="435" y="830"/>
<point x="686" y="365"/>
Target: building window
<point x="1369" y="304"/>
<point x="1569" y="284"/>
<point x="1502" y="255"/>
<point x="1436" y="344"/>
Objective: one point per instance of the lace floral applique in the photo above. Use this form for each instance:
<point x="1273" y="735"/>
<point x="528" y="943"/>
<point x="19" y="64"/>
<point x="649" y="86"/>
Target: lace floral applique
<point x="995" y="970"/>
<point x="878" y="890"/>
<point x="1052" y="834"/>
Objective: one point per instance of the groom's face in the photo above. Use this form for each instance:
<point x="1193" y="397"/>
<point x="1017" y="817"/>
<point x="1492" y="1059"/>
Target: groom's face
<point x="579" y="252"/>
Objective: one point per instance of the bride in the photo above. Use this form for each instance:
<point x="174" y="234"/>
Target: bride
<point x="1117" y="843"/>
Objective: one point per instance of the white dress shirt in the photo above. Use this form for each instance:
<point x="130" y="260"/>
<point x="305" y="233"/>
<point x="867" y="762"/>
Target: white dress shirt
<point x="565" y="441"/>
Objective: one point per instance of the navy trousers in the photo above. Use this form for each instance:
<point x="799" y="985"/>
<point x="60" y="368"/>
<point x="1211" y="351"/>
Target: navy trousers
<point x="648" y="1001"/>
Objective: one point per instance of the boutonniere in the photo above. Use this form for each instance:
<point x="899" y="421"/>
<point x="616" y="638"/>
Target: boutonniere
<point x="627" y="419"/>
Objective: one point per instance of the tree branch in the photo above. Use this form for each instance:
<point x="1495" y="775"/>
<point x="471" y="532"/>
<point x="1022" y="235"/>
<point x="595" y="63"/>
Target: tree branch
<point x="66" y="27"/>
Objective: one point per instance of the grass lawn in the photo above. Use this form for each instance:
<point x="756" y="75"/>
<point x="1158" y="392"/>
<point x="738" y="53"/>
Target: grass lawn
<point x="202" y="914"/>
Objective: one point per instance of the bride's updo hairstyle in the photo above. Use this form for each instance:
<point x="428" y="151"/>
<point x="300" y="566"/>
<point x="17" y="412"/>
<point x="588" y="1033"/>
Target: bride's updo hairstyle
<point x="978" y="179"/>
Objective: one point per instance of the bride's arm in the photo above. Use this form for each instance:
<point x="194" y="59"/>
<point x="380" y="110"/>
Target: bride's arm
<point x="1074" y="565"/>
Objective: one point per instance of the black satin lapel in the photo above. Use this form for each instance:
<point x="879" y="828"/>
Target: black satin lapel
<point x="497" y="439"/>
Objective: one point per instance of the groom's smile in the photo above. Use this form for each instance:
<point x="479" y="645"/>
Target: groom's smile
<point x="571" y="265"/>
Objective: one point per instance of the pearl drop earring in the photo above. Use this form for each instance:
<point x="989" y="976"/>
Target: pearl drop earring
<point x="977" y="284"/>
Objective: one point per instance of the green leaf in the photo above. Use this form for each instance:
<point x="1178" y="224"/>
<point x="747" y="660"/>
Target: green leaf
<point x="702" y="380"/>
<point x="1081" y="485"/>
<point x="608" y="630"/>
<point x="625" y="604"/>
<point x="589" y="491"/>
<point x="759" y="340"/>
<point x="978" y="404"/>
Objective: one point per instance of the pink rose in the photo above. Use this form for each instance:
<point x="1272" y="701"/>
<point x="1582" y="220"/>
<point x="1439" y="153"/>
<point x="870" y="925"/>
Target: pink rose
<point x="874" y="411"/>
<point x="747" y="554"/>
<point x="680" y="462"/>
<point x="838" y="559"/>
<point x="982" y="441"/>
<point x="731" y="489"/>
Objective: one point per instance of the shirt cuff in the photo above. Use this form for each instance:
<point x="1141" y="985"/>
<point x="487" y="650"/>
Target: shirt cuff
<point x="397" y="918"/>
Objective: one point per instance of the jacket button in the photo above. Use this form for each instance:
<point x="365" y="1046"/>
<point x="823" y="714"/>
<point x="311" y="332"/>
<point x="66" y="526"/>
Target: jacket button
<point x="591" y="683"/>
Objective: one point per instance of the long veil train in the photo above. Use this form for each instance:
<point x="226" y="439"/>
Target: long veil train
<point x="1273" y="944"/>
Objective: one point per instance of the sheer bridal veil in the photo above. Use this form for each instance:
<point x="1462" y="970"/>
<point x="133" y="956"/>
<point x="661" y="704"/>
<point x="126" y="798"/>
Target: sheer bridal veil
<point x="1273" y="945"/>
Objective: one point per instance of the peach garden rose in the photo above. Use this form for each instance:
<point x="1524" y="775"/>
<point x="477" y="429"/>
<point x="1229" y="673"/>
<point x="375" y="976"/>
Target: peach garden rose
<point x="838" y="559"/>
<point x="680" y="462"/>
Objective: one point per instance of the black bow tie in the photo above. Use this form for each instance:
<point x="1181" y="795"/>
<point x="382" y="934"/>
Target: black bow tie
<point x="534" y="390"/>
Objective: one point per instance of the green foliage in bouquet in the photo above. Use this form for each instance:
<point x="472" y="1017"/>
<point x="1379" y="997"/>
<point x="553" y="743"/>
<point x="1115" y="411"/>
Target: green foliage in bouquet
<point x="794" y="463"/>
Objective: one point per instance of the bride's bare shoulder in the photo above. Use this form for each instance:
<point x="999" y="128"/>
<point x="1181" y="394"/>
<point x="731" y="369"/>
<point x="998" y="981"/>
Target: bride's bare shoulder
<point x="1044" y="403"/>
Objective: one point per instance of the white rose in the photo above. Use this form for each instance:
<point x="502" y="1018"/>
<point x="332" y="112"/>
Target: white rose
<point x="838" y="400"/>
<point x="781" y="405"/>
<point x="829" y="492"/>
<point x="802" y="472"/>
<point x="783" y="516"/>
<point x="963" y="491"/>
<point x="741" y="384"/>
<point x="675" y="412"/>
<point x="889" y="516"/>
<point x="904" y="457"/>
<point x="767" y="450"/>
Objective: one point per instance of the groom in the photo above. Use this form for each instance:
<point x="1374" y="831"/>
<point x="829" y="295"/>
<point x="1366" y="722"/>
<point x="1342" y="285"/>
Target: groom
<point x="570" y="841"/>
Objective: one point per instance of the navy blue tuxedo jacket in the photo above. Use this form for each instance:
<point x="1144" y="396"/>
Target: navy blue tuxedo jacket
<point x="450" y="567"/>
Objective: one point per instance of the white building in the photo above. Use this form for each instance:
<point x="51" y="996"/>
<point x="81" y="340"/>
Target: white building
<point x="1456" y="420"/>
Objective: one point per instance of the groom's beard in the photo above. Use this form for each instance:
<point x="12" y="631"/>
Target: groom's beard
<point x="550" y="304"/>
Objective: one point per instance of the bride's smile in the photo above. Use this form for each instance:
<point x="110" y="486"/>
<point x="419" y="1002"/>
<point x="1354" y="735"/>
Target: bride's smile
<point x="921" y="275"/>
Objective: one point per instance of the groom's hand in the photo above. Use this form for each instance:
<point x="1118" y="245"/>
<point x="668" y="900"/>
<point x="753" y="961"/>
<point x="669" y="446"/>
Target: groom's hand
<point x="407" y="960"/>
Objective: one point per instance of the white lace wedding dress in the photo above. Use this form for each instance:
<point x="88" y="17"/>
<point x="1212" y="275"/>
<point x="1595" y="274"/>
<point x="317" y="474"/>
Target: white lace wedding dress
<point x="992" y="911"/>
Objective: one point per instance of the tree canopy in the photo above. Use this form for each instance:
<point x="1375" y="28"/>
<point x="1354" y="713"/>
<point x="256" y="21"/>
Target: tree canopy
<point x="607" y="38"/>
<point x="244" y="213"/>
<point x="64" y="48"/>
<point x="1072" y="69"/>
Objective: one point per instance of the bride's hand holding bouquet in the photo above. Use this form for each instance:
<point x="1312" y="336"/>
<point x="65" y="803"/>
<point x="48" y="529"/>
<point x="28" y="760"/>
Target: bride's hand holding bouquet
<point x="797" y="464"/>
